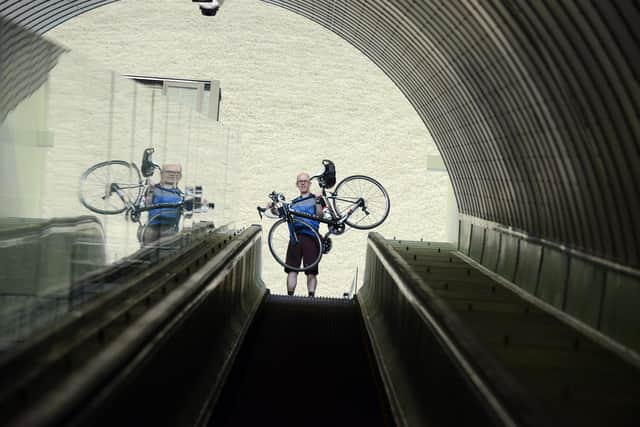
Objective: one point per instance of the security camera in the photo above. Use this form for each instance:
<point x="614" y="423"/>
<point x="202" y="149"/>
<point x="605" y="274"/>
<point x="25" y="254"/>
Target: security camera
<point x="210" y="7"/>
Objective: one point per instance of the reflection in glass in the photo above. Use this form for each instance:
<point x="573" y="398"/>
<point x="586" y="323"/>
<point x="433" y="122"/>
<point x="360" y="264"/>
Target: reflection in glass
<point x="59" y="115"/>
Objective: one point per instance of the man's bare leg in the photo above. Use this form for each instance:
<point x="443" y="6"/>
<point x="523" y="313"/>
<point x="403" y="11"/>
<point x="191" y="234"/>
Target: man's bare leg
<point x="312" y="282"/>
<point x="292" y="281"/>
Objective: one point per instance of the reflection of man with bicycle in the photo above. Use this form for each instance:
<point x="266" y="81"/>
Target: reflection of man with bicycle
<point x="163" y="221"/>
<point x="306" y="250"/>
<point x="117" y="186"/>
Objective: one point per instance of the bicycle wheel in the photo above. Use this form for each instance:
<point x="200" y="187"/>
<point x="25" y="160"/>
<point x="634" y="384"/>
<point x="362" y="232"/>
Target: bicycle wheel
<point x="279" y="241"/>
<point x="157" y="227"/>
<point x="96" y="186"/>
<point x="376" y="201"/>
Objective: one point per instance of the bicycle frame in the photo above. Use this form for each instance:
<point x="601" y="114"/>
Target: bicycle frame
<point x="285" y="212"/>
<point x="134" y="209"/>
<point x="115" y="188"/>
<point x="147" y="170"/>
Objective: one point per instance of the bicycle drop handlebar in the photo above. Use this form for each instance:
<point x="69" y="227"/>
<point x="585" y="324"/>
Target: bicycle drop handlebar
<point x="275" y="199"/>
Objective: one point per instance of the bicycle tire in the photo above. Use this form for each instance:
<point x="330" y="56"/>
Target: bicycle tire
<point x="278" y="242"/>
<point x="377" y="202"/>
<point x="167" y="231"/>
<point x="94" y="184"/>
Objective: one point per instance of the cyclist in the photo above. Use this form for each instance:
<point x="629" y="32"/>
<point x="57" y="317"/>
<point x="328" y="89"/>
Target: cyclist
<point x="306" y="250"/>
<point x="167" y="191"/>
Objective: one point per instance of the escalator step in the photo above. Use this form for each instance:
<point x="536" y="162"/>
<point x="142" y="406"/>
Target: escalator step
<point x="305" y="362"/>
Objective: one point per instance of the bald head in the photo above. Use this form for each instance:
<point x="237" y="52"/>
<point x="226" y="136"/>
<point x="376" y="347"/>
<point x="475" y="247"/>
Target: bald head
<point x="303" y="184"/>
<point x="172" y="167"/>
<point x="170" y="174"/>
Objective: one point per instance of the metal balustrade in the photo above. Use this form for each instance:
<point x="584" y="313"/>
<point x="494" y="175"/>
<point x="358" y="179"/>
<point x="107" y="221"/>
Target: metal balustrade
<point x="154" y="350"/>
<point x="435" y="371"/>
<point x="569" y="373"/>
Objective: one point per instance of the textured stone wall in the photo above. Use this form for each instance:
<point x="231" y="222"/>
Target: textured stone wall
<point x="293" y="94"/>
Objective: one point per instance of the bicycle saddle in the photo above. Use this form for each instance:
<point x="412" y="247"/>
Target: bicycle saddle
<point x="147" y="164"/>
<point x="328" y="177"/>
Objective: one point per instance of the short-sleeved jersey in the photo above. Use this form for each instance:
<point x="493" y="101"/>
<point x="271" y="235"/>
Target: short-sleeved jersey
<point x="165" y="195"/>
<point x="306" y="204"/>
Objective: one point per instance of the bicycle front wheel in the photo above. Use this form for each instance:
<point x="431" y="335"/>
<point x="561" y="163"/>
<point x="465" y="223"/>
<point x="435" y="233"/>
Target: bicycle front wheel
<point x="96" y="186"/>
<point x="301" y="255"/>
<point x="373" y="198"/>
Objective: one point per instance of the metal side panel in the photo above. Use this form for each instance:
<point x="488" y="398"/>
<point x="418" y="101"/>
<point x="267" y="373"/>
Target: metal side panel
<point x="155" y="352"/>
<point x="431" y="365"/>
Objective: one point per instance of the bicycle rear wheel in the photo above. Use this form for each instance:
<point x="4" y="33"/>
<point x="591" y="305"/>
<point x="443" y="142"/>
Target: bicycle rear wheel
<point x="280" y="243"/>
<point x="375" y="198"/>
<point x="157" y="227"/>
<point x="96" y="186"/>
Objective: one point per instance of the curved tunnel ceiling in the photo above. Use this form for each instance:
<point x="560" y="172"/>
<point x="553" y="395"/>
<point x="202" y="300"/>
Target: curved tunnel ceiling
<point x="533" y="105"/>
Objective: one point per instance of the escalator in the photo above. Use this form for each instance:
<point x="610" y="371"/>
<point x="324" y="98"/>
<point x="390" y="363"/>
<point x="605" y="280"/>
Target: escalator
<point x="305" y="361"/>
<point x="188" y="335"/>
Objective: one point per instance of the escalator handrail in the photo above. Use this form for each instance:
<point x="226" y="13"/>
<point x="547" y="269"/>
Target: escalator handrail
<point x="501" y="394"/>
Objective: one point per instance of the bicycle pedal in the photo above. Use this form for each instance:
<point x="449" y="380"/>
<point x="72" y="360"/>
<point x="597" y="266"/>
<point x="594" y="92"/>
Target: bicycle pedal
<point x="326" y="245"/>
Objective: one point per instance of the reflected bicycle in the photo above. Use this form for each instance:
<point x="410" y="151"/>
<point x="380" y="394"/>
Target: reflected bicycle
<point x="117" y="186"/>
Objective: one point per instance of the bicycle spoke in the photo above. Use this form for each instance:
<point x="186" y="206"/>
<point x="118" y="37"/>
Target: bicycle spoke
<point x="279" y="240"/>
<point x="376" y="202"/>
<point x="97" y="181"/>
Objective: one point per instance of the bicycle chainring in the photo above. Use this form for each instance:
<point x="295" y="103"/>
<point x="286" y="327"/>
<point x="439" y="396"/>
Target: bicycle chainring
<point x="337" y="229"/>
<point x="134" y="216"/>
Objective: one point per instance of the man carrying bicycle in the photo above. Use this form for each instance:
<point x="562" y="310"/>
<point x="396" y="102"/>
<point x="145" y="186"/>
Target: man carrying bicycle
<point x="164" y="220"/>
<point x="306" y="250"/>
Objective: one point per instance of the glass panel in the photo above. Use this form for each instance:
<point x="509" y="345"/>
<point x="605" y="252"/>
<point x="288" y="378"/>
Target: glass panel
<point x="59" y="115"/>
<point x="187" y="96"/>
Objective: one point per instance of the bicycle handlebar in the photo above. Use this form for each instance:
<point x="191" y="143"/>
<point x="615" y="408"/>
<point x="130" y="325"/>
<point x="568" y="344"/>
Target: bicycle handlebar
<point x="276" y="197"/>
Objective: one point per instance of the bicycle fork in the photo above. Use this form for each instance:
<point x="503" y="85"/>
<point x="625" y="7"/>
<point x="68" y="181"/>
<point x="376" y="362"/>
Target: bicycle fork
<point x="114" y="188"/>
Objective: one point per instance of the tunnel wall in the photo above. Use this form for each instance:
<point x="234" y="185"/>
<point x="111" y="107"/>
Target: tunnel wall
<point x="533" y="105"/>
<point x="23" y="51"/>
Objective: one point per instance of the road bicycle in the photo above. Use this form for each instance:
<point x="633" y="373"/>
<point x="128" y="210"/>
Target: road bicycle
<point x="117" y="186"/>
<point x="358" y="201"/>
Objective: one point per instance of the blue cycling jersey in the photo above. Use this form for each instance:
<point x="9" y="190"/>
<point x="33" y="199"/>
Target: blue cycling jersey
<point x="306" y="204"/>
<point x="165" y="215"/>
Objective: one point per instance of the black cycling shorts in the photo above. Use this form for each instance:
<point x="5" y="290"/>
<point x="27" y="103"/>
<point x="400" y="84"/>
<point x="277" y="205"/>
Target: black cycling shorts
<point x="306" y="251"/>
